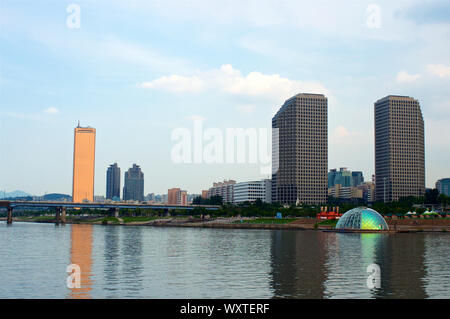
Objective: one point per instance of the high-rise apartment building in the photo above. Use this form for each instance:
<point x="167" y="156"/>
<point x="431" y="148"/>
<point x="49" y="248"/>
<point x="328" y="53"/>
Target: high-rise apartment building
<point x="176" y="196"/>
<point x="113" y="182"/>
<point x="182" y="198"/>
<point x="300" y="150"/>
<point x="399" y="148"/>
<point x="205" y="193"/>
<point x="172" y="196"/>
<point x="83" y="164"/>
<point x="223" y="189"/>
<point x="134" y="184"/>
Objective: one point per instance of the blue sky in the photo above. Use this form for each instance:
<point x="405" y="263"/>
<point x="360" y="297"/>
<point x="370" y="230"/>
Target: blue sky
<point x="137" y="70"/>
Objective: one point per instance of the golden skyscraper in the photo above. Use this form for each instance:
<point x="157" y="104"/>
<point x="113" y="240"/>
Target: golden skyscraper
<point x="83" y="164"/>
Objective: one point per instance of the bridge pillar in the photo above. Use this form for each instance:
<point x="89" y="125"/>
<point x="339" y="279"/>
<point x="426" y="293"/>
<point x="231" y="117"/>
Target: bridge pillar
<point x="9" y="216"/>
<point x="58" y="216"/>
<point x="116" y="212"/>
<point x="63" y="214"/>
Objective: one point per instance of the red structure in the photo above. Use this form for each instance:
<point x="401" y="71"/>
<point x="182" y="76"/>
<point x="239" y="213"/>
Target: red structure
<point x="333" y="213"/>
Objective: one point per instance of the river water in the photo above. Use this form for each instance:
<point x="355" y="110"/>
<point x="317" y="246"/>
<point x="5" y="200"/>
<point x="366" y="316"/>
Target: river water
<point x="153" y="262"/>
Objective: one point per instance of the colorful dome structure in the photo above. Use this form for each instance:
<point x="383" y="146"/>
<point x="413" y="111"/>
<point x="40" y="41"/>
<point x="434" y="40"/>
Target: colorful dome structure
<point x="362" y="218"/>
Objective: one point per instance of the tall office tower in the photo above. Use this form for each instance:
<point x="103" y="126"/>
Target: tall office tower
<point x="358" y="178"/>
<point x="332" y="177"/>
<point x="83" y="164"/>
<point x="399" y="148"/>
<point x="134" y="184"/>
<point x="113" y="182"/>
<point x="300" y="150"/>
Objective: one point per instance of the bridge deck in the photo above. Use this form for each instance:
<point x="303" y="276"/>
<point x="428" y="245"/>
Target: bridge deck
<point x="25" y="204"/>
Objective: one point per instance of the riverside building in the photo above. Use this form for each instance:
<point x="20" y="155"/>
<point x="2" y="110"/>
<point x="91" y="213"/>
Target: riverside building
<point x="253" y="190"/>
<point x="223" y="189"/>
<point x="83" y="164"/>
<point x="300" y="150"/>
<point x="399" y="148"/>
<point x="113" y="182"/>
<point x="134" y="184"/>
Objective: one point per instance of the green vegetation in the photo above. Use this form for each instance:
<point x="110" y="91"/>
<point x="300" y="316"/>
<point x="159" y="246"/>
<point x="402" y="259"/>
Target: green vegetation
<point x="266" y="221"/>
<point x="110" y="220"/>
<point x="138" y="219"/>
<point x="331" y="222"/>
<point x="43" y="218"/>
<point x="264" y="211"/>
<point x="213" y="200"/>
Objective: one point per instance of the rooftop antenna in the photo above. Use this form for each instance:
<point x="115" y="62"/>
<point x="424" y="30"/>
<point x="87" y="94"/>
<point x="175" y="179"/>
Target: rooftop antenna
<point x="79" y="123"/>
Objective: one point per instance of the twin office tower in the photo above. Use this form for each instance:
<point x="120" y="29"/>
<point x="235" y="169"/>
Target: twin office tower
<point x="134" y="183"/>
<point x="84" y="172"/>
<point x="300" y="149"/>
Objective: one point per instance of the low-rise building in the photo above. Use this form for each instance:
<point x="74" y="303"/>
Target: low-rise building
<point x="253" y="190"/>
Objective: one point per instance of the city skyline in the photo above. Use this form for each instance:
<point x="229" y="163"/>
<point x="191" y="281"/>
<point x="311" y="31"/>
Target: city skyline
<point x="137" y="86"/>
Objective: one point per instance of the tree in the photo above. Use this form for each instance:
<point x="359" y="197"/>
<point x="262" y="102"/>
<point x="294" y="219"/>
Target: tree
<point x="443" y="199"/>
<point x="431" y="196"/>
<point x="215" y="200"/>
<point x="198" y="200"/>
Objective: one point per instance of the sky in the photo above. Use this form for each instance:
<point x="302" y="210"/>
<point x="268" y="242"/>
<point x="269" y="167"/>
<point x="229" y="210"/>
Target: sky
<point x="139" y="70"/>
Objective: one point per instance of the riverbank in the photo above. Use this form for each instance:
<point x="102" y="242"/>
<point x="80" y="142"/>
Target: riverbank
<point x="400" y="225"/>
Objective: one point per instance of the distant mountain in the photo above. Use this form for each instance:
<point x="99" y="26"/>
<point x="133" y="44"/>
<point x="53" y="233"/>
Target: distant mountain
<point x="19" y="195"/>
<point x="13" y="194"/>
<point x="57" y="197"/>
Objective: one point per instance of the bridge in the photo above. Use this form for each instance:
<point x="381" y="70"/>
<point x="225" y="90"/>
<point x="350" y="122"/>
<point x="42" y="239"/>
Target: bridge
<point x="61" y="207"/>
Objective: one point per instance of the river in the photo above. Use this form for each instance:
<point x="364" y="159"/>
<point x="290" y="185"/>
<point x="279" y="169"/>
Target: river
<point x="157" y="262"/>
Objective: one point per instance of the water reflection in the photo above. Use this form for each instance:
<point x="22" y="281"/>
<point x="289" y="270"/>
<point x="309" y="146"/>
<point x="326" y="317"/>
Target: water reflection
<point x="81" y="255"/>
<point x="298" y="264"/>
<point x="147" y="262"/>
<point x="330" y="265"/>
<point x="132" y="269"/>
<point x="402" y="267"/>
<point x="111" y="255"/>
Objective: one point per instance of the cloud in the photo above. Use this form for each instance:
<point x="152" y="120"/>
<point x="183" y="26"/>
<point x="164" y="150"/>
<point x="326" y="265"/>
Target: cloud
<point x="440" y="70"/>
<point x="228" y="80"/>
<point x="405" y="77"/>
<point x="51" y="111"/>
